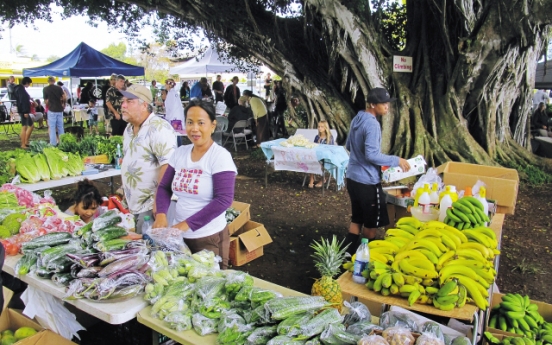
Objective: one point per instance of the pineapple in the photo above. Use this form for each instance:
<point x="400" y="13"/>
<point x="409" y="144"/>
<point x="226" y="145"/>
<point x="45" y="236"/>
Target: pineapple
<point x="328" y="257"/>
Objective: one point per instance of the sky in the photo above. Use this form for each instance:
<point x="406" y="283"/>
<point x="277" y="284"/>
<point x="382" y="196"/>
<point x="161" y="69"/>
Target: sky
<point x="59" y="37"/>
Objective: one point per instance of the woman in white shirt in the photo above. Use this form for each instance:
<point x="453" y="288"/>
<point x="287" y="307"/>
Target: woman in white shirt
<point x="173" y="104"/>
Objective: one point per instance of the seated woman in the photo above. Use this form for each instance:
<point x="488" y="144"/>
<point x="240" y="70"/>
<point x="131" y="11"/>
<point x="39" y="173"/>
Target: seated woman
<point x="324" y="136"/>
<point x="202" y="176"/>
<point x="239" y="112"/>
<point x="540" y="121"/>
<point x="87" y="200"/>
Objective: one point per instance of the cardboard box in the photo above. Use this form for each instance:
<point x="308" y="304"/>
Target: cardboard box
<point x="398" y="197"/>
<point x="392" y="174"/>
<point x="502" y="184"/>
<point x="45" y="337"/>
<point x="499" y="336"/>
<point x="395" y="213"/>
<point x="100" y="159"/>
<point x="545" y="310"/>
<point x="12" y="319"/>
<point x="239" y="221"/>
<point x="247" y="243"/>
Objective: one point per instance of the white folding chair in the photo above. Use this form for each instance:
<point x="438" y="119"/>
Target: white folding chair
<point x="239" y="136"/>
<point x="222" y="126"/>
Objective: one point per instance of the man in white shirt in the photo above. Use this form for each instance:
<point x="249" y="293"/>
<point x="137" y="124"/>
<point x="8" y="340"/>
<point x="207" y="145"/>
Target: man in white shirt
<point x="148" y="144"/>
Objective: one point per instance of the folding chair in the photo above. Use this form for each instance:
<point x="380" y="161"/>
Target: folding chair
<point x="240" y="136"/>
<point x="222" y="126"/>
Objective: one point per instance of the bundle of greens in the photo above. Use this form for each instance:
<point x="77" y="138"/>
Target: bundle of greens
<point x="57" y="161"/>
<point x="27" y="169"/>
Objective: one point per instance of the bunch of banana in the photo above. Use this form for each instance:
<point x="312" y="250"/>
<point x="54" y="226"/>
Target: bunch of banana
<point x="350" y="265"/>
<point x="516" y="314"/>
<point x="544" y="334"/>
<point x="510" y="340"/>
<point x="466" y="213"/>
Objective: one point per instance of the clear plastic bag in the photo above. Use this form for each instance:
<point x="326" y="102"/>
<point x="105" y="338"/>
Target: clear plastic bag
<point x="461" y="341"/>
<point x="235" y="280"/>
<point x="357" y="312"/>
<point x="397" y="319"/>
<point x="228" y="317"/>
<point x="109" y="218"/>
<point x="431" y="176"/>
<point x="318" y="323"/>
<point x="398" y="336"/>
<point x="179" y="320"/>
<point x="284" y="340"/>
<point x="282" y="308"/>
<point x="314" y="341"/>
<point x="261" y="335"/>
<point x="328" y="335"/>
<point x="234" y="333"/>
<point x="292" y="325"/>
<point x="167" y="239"/>
<point x="127" y="263"/>
<point x="207" y="258"/>
<point x="372" y="340"/>
<point x="203" y="325"/>
<point x="433" y="329"/>
<point x="363" y="328"/>
<point x="210" y="287"/>
<point x="429" y="339"/>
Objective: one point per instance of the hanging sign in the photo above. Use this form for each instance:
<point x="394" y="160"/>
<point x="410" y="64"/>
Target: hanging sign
<point x="402" y="64"/>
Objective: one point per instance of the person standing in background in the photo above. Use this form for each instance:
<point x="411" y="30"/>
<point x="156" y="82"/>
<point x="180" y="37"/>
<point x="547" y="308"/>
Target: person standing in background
<point x="173" y="105"/>
<point x="185" y="92"/>
<point x="107" y="114"/>
<point x="53" y="99"/>
<point x="11" y="88"/>
<point x="369" y="209"/>
<point x="218" y="89"/>
<point x="114" y="100"/>
<point x="67" y="92"/>
<point x="232" y="93"/>
<point x="260" y="112"/>
<point x="23" y="101"/>
<point x="268" y="86"/>
<point x="148" y="143"/>
<point x="154" y="90"/>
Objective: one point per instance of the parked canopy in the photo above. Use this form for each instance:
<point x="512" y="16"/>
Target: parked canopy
<point x="84" y="61"/>
<point x="209" y="63"/>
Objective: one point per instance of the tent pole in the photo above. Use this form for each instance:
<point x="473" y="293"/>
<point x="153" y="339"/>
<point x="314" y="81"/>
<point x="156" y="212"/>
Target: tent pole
<point x="71" y="103"/>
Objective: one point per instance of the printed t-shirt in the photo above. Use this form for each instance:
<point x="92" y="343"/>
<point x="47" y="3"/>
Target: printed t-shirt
<point x="193" y="185"/>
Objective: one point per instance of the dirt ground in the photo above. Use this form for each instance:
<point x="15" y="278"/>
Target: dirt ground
<point x="295" y="216"/>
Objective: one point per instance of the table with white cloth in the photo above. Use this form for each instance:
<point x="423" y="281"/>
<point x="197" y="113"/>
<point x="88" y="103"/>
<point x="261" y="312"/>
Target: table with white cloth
<point x="82" y="115"/>
<point x="331" y="158"/>
<point x="42" y="185"/>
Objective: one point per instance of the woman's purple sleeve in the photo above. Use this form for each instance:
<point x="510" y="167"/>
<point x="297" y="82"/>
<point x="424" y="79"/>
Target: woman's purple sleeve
<point x="223" y="195"/>
<point x="164" y="191"/>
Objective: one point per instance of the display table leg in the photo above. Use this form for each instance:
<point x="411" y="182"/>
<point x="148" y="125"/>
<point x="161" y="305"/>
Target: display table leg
<point x="154" y="337"/>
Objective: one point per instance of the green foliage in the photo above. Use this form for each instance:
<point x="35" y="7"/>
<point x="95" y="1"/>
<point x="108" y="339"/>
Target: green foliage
<point x="68" y="143"/>
<point x="530" y="174"/>
<point x="391" y="16"/>
<point x="52" y="58"/>
<point x="258" y="155"/>
<point x="116" y="51"/>
<point x="36" y="146"/>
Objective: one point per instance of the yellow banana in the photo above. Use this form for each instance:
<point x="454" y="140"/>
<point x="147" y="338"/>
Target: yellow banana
<point x="423" y="243"/>
<point x="456" y="232"/>
<point x="394" y="289"/>
<point x="487" y="275"/>
<point x="485" y="251"/>
<point x="474" y="290"/>
<point x="427" y="282"/>
<point x="434" y="224"/>
<point x="439" y="243"/>
<point x="487" y="231"/>
<point x="448" y="242"/>
<point x="470" y="254"/>
<point x="378" y="283"/>
<point x="410" y="269"/>
<point x="422" y="263"/>
<point x="457" y="241"/>
<point x="408" y="228"/>
<point x="468" y="263"/>
<point x="398" y="279"/>
<point x="379" y="265"/>
<point x="399" y="243"/>
<point x="414" y="295"/>
<point x="411" y="280"/>
<point x="408" y="288"/>
<point x="348" y="266"/>
<point x="409" y="254"/>
<point x="412" y="221"/>
<point x="387" y="280"/>
<point x="444" y="258"/>
<point x="478" y="237"/>
<point x="423" y="299"/>
<point x="432" y="290"/>
<point x="384" y="250"/>
<point x="450" y="270"/>
<point x="399" y="233"/>
<point x="378" y="257"/>
<point x="382" y="244"/>
<point x="429" y="255"/>
<point x="428" y="232"/>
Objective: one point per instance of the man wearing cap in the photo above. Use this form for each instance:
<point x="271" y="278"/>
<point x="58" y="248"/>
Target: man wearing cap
<point x="259" y="110"/>
<point x="54" y="97"/>
<point x="148" y="143"/>
<point x="369" y="209"/>
<point x="113" y="100"/>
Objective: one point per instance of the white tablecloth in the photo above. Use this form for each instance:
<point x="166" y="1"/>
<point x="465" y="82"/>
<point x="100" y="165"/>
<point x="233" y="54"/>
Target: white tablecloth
<point x="82" y="115"/>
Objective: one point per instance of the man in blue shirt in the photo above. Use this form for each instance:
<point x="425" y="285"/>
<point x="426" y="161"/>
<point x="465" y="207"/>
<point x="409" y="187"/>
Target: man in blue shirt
<point x="369" y="209"/>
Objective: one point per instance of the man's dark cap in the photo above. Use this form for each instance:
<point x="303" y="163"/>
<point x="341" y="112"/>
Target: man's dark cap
<point x="379" y="95"/>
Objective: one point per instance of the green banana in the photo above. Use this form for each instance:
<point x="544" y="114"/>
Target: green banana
<point x="414" y="295"/>
<point x="493" y="320"/>
<point x="462" y="296"/>
<point x="447" y="299"/>
<point x="510" y="306"/>
<point x="387" y="280"/>
<point x="447" y="288"/>
<point x="452" y="216"/>
<point x="398" y="279"/>
<point x="462" y="207"/>
<point x="460" y="214"/>
<point x="515" y="314"/>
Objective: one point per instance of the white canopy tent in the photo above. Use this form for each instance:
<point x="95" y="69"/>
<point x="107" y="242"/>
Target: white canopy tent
<point x="209" y="63"/>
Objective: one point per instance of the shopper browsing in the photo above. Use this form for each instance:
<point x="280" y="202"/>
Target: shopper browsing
<point x="86" y="201"/>
<point x="92" y="116"/>
<point x="202" y="176"/>
<point x="369" y="210"/>
<point x="324" y="136"/>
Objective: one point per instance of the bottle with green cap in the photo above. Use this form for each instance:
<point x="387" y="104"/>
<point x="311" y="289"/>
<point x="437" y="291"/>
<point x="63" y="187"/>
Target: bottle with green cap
<point x="147" y="225"/>
<point x="362" y="259"/>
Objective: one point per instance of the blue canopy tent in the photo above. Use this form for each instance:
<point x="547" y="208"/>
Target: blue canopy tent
<point x="84" y="61"/>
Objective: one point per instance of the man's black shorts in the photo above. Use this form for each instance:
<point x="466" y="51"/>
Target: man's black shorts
<point x="368" y="204"/>
<point x="26" y="121"/>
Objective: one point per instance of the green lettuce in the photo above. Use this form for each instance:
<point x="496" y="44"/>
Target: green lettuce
<point x="27" y="169"/>
<point x="57" y="161"/>
<point x="42" y="166"/>
<point x="75" y="165"/>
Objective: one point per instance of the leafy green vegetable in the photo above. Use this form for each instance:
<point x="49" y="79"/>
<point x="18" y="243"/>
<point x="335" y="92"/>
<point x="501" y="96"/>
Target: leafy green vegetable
<point x="37" y="146"/>
<point x="42" y="166"/>
<point x="27" y="169"/>
<point x="57" y="160"/>
<point x="75" y="164"/>
<point x="68" y="143"/>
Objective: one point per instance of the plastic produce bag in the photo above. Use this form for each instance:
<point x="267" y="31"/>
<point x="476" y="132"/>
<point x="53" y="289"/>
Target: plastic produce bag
<point x="210" y="287"/>
<point x="314" y="341"/>
<point x="235" y="280"/>
<point x="398" y="336"/>
<point x="397" y="319"/>
<point x="167" y="239"/>
<point x="203" y="325"/>
<point x="109" y="218"/>
<point x="284" y="340"/>
<point x="429" y="339"/>
<point x="318" y="323"/>
<point x="179" y="320"/>
<point x="282" y="308"/>
<point x="234" y="333"/>
<point x="363" y="328"/>
<point x="50" y="313"/>
<point x="461" y="341"/>
<point x="334" y="334"/>
<point x="372" y="340"/>
<point x="433" y="329"/>
<point x="261" y="335"/>
<point x="292" y="325"/>
<point x="229" y="317"/>
<point x="357" y="312"/>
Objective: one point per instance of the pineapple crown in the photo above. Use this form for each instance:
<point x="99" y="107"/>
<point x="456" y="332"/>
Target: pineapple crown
<point x="328" y="256"/>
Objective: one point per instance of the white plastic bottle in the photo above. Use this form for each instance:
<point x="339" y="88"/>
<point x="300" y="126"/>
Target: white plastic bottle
<point x="446" y="202"/>
<point x="362" y="259"/>
<point x="434" y="196"/>
<point x="147" y="225"/>
<point x="482" y="196"/>
<point x="424" y="201"/>
<point x="118" y="157"/>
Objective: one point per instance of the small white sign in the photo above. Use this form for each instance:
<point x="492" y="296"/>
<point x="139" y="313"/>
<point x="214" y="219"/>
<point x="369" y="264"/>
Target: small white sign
<point x="402" y="64"/>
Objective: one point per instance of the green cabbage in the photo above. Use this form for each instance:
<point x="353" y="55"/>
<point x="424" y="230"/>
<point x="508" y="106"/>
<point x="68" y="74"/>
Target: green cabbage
<point x="27" y="169"/>
<point x="75" y="165"/>
<point x="57" y="160"/>
<point x="42" y="166"/>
